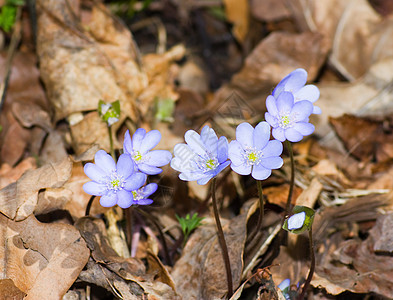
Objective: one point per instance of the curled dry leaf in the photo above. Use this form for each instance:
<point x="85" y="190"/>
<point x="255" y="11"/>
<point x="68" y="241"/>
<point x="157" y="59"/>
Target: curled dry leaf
<point x="238" y="13"/>
<point x="200" y="272"/>
<point x="108" y="265"/>
<point x="43" y="260"/>
<point x="18" y="200"/>
<point x="9" y="175"/>
<point x="8" y="290"/>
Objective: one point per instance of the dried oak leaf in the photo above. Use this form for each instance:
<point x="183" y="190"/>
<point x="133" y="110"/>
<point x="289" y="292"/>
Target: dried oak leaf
<point x="8" y="290"/>
<point x="43" y="260"/>
<point x="200" y="271"/>
<point x="358" y="267"/>
<point x="364" y="138"/>
<point x="18" y="200"/>
<point x="109" y="266"/>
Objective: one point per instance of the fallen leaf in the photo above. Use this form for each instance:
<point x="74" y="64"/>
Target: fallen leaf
<point x="18" y="200"/>
<point x="43" y="260"/>
<point x="238" y="13"/>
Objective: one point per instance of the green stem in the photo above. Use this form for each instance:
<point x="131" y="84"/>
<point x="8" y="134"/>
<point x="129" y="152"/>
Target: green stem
<point x="312" y="267"/>
<point x="221" y="239"/>
<point x="87" y="212"/>
<point x="261" y="205"/>
<point x="111" y="143"/>
<point x="288" y="206"/>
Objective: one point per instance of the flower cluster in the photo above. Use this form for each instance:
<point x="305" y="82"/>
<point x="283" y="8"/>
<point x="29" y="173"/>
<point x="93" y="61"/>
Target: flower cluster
<point x="123" y="183"/>
<point x="289" y="107"/>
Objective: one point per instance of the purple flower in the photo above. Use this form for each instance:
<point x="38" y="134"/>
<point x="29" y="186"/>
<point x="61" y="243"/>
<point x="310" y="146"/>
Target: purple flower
<point x="253" y="153"/>
<point x="295" y="82"/>
<point x="141" y="195"/>
<point x="284" y="287"/>
<point x="139" y="148"/>
<point x="114" y="183"/>
<point x="202" y="158"/>
<point x="289" y="119"/>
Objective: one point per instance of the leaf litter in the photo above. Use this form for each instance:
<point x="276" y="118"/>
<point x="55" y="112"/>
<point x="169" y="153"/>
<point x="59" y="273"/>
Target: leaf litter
<point x="85" y="53"/>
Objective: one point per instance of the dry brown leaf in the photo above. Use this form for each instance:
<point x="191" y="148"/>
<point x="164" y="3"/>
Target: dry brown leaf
<point x="18" y="200"/>
<point x="238" y="13"/>
<point x="271" y="10"/>
<point x="356" y="266"/>
<point x="9" y="175"/>
<point x="272" y="59"/>
<point x="200" y="272"/>
<point x="8" y="290"/>
<point x="43" y="260"/>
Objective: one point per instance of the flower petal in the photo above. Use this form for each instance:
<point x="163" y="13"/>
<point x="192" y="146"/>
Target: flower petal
<point x="273" y="148"/>
<point x="151" y="139"/>
<point x="108" y="200"/>
<point x="261" y="135"/>
<point x="157" y="158"/>
<point x="127" y="144"/>
<point x="221" y="167"/>
<point x="210" y="140"/>
<point x="94" y="172"/>
<point x="296" y="221"/>
<point x="94" y="188"/>
<point x="149" y="189"/>
<point x="193" y="139"/>
<point x="301" y="110"/>
<point x="317" y="110"/>
<point x="125" y="165"/>
<point x="191" y="176"/>
<point x="279" y="134"/>
<point x="137" y="139"/>
<point x="309" y="92"/>
<point x="293" y="135"/>
<point x="271" y="120"/>
<point x="244" y="134"/>
<point x="143" y="202"/>
<point x="295" y="80"/>
<point x="241" y="169"/>
<point x="304" y="128"/>
<point x="149" y="170"/>
<point x="135" y="181"/>
<point x="274" y="162"/>
<point x="260" y="173"/>
<point x="124" y="198"/>
<point x="285" y="102"/>
<point x="284" y="284"/>
<point x="105" y="162"/>
<point x="205" y="179"/>
<point x="222" y="149"/>
<point x="271" y="105"/>
<point x="236" y="153"/>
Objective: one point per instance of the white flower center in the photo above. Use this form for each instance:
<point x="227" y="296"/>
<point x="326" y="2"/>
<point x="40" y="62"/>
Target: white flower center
<point x="115" y="182"/>
<point x="252" y="156"/>
<point x="285" y="120"/>
<point x="206" y="163"/>
<point x="137" y="156"/>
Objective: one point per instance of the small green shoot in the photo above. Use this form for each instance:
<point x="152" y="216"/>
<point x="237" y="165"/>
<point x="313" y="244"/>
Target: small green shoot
<point x="300" y="221"/>
<point x="188" y="224"/>
<point x="109" y="112"/>
<point x="164" y="110"/>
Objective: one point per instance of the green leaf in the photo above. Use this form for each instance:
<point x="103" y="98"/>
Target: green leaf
<point x="296" y="213"/>
<point x="188" y="224"/>
<point x="7" y="17"/>
<point x="164" y="110"/>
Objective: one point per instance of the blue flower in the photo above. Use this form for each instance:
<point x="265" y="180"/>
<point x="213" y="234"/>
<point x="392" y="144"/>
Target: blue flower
<point x="295" y="82"/>
<point x="289" y="119"/>
<point x="253" y="153"/>
<point x="202" y="158"/>
<point x="284" y="287"/>
<point x="114" y="183"/>
<point x="139" y="148"/>
<point x="296" y="221"/>
<point x="141" y="195"/>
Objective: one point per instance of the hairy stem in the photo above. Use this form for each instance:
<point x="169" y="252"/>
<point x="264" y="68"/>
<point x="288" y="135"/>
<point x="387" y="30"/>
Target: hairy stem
<point x="221" y="239"/>
<point x="261" y="205"/>
<point x="87" y="211"/>
<point x="111" y="143"/>
<point x="288" y="206"/>
<point x="312" y="267"/>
